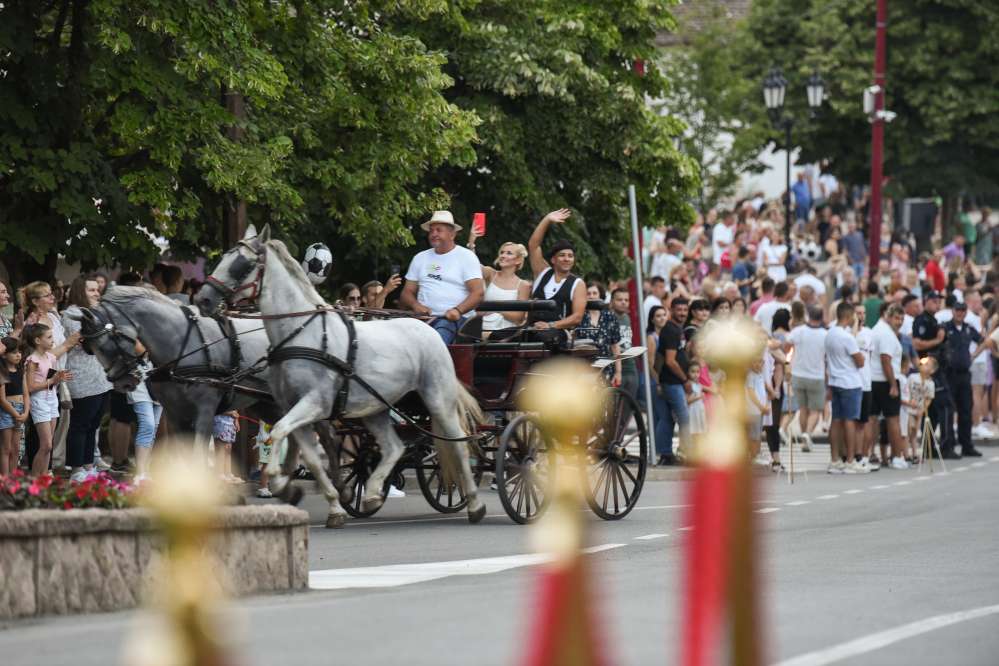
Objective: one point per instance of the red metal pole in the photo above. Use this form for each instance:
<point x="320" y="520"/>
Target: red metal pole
<point x="877" y="137"/>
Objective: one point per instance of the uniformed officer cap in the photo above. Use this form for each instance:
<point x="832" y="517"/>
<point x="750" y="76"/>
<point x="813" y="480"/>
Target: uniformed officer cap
<point x="931" y="294"/>
<point x="960" y="305"/>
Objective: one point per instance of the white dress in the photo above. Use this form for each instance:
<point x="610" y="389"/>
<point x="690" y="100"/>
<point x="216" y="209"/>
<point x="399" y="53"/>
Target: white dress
<point x="695" y="410"/>
<point x="494" y="321"/>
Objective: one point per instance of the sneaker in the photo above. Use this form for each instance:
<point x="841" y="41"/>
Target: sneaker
<point x="858" y="468"/>
<point x="970" y="451"/>
<point x="121" y="468"/>
<point x="493" y="486"/>
<point x="139" y="480"/>
<point x="899" y="463"/>
<point x="92" y="473"/>
<point x="79" y="476"/>
<point x="806" y="443"/>
<point x="395" y="492"/>
<point x="264" y="493"/>
<point x="836" y="468"/>
<point x="103" y="465"/>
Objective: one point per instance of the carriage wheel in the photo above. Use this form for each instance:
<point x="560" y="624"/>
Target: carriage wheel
<point x="356" y="467"/>
<point x="525" y="467"/>
<point x="618" y="454"/>
<point x="443" y="497"/>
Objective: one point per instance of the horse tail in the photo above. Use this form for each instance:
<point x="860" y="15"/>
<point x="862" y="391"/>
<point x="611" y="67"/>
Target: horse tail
<point x="450" y="453"/>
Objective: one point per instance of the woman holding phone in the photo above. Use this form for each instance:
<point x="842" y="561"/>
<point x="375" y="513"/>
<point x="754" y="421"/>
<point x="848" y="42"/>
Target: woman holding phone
<point x="503" y="283"/>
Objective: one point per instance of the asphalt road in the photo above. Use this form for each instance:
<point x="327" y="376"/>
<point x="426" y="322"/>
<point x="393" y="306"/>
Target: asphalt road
<point x="873" y="569"/>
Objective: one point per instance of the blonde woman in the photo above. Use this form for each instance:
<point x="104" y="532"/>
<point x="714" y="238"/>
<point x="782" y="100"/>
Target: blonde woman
<point x="503" y="284"/>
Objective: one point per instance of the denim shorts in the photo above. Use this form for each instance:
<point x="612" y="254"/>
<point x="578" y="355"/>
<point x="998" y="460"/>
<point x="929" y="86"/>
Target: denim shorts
<point x="846" y="403"/>
<point x="7" y="421"/>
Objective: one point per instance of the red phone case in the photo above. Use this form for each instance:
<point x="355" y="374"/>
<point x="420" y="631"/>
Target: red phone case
<point x="479" y="224"/>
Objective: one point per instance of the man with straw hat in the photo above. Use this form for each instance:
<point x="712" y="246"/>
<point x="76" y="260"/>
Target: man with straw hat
<point x="445" y="281"/>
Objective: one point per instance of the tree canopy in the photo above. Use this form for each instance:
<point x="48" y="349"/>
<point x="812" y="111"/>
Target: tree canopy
<point x="941" y="81"/>
<point x="361" y="117"/>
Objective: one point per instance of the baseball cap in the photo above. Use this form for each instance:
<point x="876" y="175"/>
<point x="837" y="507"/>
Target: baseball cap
<point x="960" y="305"/>
<point x="931" y="294"/>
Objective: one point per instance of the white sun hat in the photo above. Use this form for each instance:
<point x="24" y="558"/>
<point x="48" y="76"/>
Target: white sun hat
<point x="440" y="217"/>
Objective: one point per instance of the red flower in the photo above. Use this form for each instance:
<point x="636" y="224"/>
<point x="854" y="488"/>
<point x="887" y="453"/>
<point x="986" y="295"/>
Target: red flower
<point x="81" y="491"/>
<point x="18" y="473"/>
<point x="67" y="505"/>
<point x="44" y="481"/>
<point x="14" y="486"/>
<point x="34" y="489"/>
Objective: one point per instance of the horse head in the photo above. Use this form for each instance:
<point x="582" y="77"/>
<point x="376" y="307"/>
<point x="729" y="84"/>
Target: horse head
<point x="113" y="345"/>
<point x="238" y="275"/>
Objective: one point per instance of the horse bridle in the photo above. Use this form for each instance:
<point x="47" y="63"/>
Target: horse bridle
<point x="127" y="357"/>
<point x="239" y="269"/>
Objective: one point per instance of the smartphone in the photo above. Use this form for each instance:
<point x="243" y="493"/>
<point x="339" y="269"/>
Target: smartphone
<point x="394" y="270"/>
<point x="479" y="224"/>
<point x="52" y="373"/>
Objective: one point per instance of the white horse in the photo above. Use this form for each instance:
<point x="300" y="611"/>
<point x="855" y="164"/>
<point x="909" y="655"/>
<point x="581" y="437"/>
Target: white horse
<point x="393" y="357"/>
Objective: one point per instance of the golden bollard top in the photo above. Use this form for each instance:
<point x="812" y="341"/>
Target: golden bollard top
<point x="565" y="393"/>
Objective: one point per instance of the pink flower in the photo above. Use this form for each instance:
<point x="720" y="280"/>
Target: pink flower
<point x="34" y="489"/>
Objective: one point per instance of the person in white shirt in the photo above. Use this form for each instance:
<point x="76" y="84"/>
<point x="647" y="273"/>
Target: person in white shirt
<point x="867" y="428"/>
<point x="772" y="254"/>
<point x="722" y="236"/>
<point x="979" y="368"/>
<point x="782" y="301"/>
<point x="444" y="282"/>
<point x="808" y="369"/>
<point x="809" y="279"/>
<point x="843" y="361"/>
<point x="656" y="295"/>
<point x="886" y="367"/>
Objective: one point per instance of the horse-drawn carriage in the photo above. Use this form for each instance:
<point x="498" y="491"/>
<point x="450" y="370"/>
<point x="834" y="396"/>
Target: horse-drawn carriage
<point x="397" y="399"/>
<point x="511" y="445"/>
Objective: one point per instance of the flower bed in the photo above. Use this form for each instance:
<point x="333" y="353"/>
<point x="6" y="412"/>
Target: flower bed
<point x="19" y="491"/>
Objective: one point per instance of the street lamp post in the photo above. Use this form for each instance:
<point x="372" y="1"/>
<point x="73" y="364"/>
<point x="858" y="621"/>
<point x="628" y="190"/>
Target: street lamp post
<point x="774" y="89"/>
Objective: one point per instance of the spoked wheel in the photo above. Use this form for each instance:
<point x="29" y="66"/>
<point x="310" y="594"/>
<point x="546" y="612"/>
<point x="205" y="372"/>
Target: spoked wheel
<point x="356" y="467"/>
<point x="617" y="454"/>
<point x="443" y="497"/>
<point x="525" y="468"/>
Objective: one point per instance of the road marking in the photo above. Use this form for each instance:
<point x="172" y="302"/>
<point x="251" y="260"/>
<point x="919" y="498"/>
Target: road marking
<point x="769" y="509"/>
<point x="827" y="497"/>
<point x="852" y="491"/>
<point x="394" y="575"/>
<point x="994" y="459"/>
<point x="962" y="468"/>
<point x="882" y="639"/>
<point x="879" y="487"/>
<point x="901" y="483"/>
<point x="650" y="537"/>
<point x="798" y="503"/>
<point x="922" y="478"/>
<point x="978" y="464"/>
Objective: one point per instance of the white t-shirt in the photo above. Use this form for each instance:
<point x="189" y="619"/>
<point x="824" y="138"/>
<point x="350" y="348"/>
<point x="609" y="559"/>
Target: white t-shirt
<point x="722" y="233"/>
<point x="809" y="361"/>
<point x="866" y="344"/>
<point x="906" y="328"/>
<point x="765" y="313"/>
<point x="650" y="302"/>
<point x="975" y="322"/>
<point x="840" y="348"/>
<point x="884" y="341"/>
<point x="442" y="277"/>
<point x="663" y="263"/>
<point x="769" y="254"/>
<point x="810" y="280"/>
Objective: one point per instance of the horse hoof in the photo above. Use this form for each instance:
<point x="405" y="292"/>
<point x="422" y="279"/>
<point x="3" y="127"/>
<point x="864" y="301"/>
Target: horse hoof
<point x="293" y="494"/>
<point x="372" y="504"/>
<point x="335" y="521"/>
<point x="476" y="515"/>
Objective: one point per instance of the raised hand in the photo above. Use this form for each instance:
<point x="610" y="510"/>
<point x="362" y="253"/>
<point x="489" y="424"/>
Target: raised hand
<point x="558" y="216"/>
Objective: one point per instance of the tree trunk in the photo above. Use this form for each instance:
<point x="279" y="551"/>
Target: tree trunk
<point x="948" y="218"/>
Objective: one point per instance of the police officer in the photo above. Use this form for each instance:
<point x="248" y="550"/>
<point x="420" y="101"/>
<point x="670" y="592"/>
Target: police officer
<point x="960" y="336"/>
<point x="928" y="337"/>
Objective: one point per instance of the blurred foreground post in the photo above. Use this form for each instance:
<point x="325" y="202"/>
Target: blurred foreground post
<point x="720" y="557"/>
<point x="185" y="594"/>
<point x="567" y="397"/>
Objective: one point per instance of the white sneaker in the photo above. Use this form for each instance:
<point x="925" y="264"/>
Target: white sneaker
<point x="79" y="476"/>
<point x="858" y="468"/>
<point x="899" y="463"/>
<point x="836" y="468"/>
<point x="139" y="480"/>
<point x="264" y="493"/>
<point x="92" y="473"/>
<point x="395" y="492"/>
<point x="103" y="465"/>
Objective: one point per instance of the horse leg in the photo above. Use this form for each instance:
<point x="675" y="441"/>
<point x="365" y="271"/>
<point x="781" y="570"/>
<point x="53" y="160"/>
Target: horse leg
<point x="446" y="423"/>
<point x="280" y="477"/>
<point x="382" y="429"/>
<point x="332" y="444"/>
<point x="310" y="455"/>
<point x="306" y="411"/>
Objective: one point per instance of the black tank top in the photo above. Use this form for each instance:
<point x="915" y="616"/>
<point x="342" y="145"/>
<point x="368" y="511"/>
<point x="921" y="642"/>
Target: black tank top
<point x="562" y="297"/>
<point x="15" y="383"/>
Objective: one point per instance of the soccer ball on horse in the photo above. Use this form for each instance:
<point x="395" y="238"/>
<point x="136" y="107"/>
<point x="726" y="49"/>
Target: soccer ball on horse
<point x="325" y="366"/>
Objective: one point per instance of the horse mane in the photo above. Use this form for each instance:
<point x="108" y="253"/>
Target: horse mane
<point x="119" y="295"/>
<point x="294" y="270"/>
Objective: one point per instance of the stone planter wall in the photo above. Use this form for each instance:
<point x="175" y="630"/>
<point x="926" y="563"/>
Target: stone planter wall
<point x="92" y="560"/>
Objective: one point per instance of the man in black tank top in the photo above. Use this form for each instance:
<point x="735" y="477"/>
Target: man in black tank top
<point x="554" y="280"/>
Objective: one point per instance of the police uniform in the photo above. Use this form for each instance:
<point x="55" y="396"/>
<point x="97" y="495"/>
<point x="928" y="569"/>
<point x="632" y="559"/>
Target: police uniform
<point x="958" y="342"/>
<point x="925" y="327"/>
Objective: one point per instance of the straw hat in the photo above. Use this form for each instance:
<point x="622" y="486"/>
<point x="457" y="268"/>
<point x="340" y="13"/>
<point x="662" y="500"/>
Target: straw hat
<point x="440" y="217"/>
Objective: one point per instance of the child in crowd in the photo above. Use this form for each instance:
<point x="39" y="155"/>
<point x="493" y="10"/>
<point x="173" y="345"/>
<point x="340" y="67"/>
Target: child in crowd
<point x="264" y="450"/>
<point x="757" y="405"/>
<point x="43" y="377"/>
<point x="695" y="403"/>
<point x="224" y="432"/>
<point x="147" y="421"/>
<point x="906" y="399"/>
<point x="13" y="409"/>
<point x="921" y="392"/>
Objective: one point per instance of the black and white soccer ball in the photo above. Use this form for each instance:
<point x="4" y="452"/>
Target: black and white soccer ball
<point x="318" y="263"/>
<point x="811" y="251"/>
